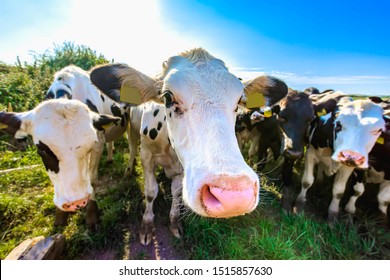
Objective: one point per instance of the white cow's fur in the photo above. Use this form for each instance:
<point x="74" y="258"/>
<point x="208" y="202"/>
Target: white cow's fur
<point x="76" y="82"/>
<point x="361" y="123"/>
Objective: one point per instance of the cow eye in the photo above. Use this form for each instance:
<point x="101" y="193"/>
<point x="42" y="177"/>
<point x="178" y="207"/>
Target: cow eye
<point x="338" y="127"/>
<point x="169" y="99"/>
<point x="59" y="78"/>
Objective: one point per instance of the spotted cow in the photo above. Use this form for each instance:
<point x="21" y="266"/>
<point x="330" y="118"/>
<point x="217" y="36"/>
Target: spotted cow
<point x="149" y="127"/>
<point x="72" y="82"/>
<point x="340" y="142"/>
<point x="200" y="98"/>
<point x="65" y="132"/>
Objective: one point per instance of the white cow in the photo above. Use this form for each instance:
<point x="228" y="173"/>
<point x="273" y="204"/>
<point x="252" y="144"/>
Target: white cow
<point x="72" y="82"/>
<point x="339" y="143"/>
<point x="201" y="98"/>
<point x="65" y="133"/>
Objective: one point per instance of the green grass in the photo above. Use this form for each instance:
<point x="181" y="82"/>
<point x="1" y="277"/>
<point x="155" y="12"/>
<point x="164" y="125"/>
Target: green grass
<point x="27" y="210"/>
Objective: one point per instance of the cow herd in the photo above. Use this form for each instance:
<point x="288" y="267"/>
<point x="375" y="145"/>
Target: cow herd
<point x="193" y="123"/>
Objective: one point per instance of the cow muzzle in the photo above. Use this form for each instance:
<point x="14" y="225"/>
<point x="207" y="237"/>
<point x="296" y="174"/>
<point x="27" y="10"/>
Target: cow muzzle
<point x="351" y="158"/>
<point x="227" y="196"/>
<point x="75" y="205"/>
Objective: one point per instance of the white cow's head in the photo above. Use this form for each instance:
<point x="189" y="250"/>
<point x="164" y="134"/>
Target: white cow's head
<point x="201" y="98"/>
<point x="70" y="81"/>
<point x="64" y="132"/>
<point x="358" y="125"/>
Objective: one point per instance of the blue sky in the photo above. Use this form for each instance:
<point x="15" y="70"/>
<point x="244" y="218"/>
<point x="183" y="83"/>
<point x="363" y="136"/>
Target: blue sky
<point x="344" y="45"/>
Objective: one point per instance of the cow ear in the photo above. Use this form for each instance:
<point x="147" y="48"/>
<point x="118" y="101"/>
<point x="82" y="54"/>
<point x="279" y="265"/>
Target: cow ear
<point x="271" y="89"/>
<point x="111" y="78"/>
<point x="16" y="124"/>
<point x="103" y="122"/>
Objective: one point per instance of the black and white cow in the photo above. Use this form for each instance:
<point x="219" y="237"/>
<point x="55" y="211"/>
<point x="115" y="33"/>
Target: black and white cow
<point x="201" y="99"/>
<point x="340" y="142"/>
<point x="72" y="82"/>
<point x="65" y="132"/>
<point x="287" y="129"/>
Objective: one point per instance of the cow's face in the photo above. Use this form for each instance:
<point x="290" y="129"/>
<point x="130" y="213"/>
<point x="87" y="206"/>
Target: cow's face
<point x="64" y="133"/>
<point x="67" y="81"/>
<point x="296" y="113"/>
<point x="201" y="98"/>
<point x="357" y="127"/>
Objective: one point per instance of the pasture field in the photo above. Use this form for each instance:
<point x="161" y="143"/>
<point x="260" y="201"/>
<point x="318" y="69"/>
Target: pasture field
<point x="27" y="210"/>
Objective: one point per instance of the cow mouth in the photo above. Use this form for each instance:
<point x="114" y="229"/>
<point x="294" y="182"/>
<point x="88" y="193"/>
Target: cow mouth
<point x="75" y="205"/>
<point x="351" y="159"/>
<point x="226" y="203"/>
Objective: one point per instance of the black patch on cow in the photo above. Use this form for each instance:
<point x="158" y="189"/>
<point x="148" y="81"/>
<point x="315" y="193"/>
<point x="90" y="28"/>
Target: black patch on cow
<point x="153" y="134"/>
<point x="165" y="118"/>
<point x="102" y="97"/>
<point x="91" y="106"/>
<point x="159" y="126"/>
<point x="49" y="159"/>
<point x="116" y="111"/>
<point x="155" y="113"/>
<point x="12" y="121"/>
<point x="145" y="131"/>
<point x="170" y="114"/>
<point x="127" y="117"/>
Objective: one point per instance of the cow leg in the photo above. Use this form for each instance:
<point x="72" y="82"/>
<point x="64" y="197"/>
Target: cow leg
<point x="174" y="215"/>
<point x="92" y="218"/>
<point x="96" y="154"/>
<point x="110" y="151"/>
<point x="384" y="198"/>
<point x="133" y="138"/>
<point x="262" y="155"/>
<point x="287" y="176"/>
<point x="151" y="191"/>
<point x="358" y="188"/>
<point x="339" y="185"/>
<point x="307" y="179"/>
<point x="61" y="218"/>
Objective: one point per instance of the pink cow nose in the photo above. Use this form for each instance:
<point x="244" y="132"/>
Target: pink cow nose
<point x="351" y="158"/>
<point x="75" y="205"/>
<point x="230" y="197"/>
